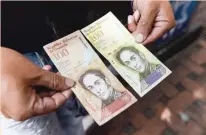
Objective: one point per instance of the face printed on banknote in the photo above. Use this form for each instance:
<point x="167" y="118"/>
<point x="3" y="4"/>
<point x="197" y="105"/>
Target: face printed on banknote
<point x="132" y="58"/>
<point x="138" y="66"/>
<point x="96" y="82"/>
<point x="99" y="85"/>
<point x="99" y="91"/>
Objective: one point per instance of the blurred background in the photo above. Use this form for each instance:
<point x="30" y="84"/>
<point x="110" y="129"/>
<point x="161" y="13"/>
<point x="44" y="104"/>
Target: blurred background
<point x="177" y="106"/>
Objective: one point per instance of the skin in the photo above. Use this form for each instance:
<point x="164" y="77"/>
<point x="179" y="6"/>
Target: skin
<point x="133" y="60"/>
<point x="97" y="86"/>
<point x="151" y="18"/>
<point x="19" y="100"/>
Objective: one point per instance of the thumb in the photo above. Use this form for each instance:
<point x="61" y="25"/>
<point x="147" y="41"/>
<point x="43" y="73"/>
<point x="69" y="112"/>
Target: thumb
<point x="144" y="25"/>
<point x="54" y="81"/>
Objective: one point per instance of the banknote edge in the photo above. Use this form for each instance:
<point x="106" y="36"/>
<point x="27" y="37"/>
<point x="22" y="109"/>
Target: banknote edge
<point x="101" y="18"/>
<point x="77" y="33"/>
<point x="119" y="111"/>
<point x="169" y="72"/>
<point x="134" y="99"/>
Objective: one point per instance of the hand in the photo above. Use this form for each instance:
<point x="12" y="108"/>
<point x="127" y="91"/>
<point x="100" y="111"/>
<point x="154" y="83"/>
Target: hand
<point x="151" y="19"/>
<point x="19" y="79"/>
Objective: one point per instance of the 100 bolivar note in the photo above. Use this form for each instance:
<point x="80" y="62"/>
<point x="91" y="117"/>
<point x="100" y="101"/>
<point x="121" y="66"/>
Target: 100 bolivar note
<point x="99" y="91"/>
<point x="138" y="66"/>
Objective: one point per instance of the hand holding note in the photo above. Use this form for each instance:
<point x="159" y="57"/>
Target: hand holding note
<point x="99" y="91"/>
<point x="19" y="99"/>
<point x="151" y="19"/>
<point x="140" y="69"/>
<point x="102" y="95"/>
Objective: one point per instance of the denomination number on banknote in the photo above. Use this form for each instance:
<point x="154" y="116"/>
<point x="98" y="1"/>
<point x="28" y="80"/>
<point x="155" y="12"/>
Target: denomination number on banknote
<point x="96" y="35"/>
<point x="62" y="53"/>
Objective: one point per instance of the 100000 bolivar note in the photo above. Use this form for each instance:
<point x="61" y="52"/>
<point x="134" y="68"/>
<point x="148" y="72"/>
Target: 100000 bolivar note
<point x="140" y="69"/>
<point x="99" y="91"/>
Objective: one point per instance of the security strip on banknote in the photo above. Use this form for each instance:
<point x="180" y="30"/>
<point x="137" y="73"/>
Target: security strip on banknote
<point x="138" y="66"/>
<point x="99" y="91"/>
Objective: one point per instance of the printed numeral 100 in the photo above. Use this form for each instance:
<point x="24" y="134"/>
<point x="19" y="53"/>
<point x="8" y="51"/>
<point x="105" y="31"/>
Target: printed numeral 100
<point x="61" y="54"/>
<point x="96" y="35"/>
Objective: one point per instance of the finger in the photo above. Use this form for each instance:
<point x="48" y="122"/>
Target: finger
<point x="145" y="24"/>
<point x="61" y="97"/>
<point x="50" y="104"/>
<point x="54" y="81"/>
<point x="131" y="23"/>
<point x="43" y="94"/>
<point x="47" y="67"/>
<point x="163" y="23"/>
<point x="51" y="93"/>
<point x="136" y="16"/>
<point x="47" y="94"/>
<point x="158" y="31"/>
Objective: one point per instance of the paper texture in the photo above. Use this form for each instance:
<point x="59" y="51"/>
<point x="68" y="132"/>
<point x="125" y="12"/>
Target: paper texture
<point x="99" y="91"/>
<point x="138" y="66"/>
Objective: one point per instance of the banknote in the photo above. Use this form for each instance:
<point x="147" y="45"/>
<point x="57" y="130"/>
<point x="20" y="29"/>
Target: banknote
<point x="137" y="65"/>
<point x="99" y="91"/>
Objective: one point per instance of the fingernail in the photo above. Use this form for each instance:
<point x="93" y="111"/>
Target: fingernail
<point x="69" y="82"/>
<point x="130" y="19"/>
<point x="136" y="15"/>
<point x="47" y="67"/>
<point x="139" y="37"/>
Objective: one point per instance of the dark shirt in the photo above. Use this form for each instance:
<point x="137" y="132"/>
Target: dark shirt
<point x="26" y="26"/>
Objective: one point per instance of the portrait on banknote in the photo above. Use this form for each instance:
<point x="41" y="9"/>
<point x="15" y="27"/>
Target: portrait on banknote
<point x="99" y="85"/>
<point x="132" y="58"/>
<point x="133" y="62"/>
<point x="99" y="91"/>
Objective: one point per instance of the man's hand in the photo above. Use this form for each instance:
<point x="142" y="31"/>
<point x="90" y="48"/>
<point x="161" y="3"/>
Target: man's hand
<point x="151" y="19"/>
<point x="19" y="79"/>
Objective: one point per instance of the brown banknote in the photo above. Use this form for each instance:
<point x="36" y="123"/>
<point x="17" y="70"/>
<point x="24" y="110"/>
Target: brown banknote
<point x="99" y="91"/>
